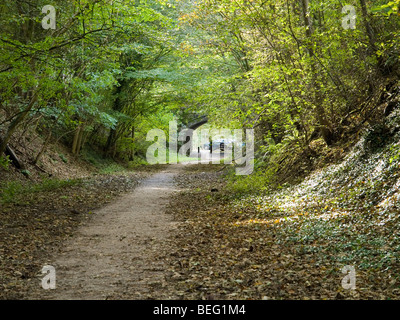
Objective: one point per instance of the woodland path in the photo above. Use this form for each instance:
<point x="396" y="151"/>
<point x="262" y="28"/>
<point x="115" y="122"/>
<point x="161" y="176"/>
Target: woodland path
<point x="117" y="255"/>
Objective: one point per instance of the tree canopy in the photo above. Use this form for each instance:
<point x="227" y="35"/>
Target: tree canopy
<point x="110" y="70"/>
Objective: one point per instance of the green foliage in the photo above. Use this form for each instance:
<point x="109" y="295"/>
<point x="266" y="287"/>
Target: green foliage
<point x="63" y="158"/>
<point x="26" y="172"/>
<point x="391" y="7"/>
<point x="102" y="164"/>
<point x="112" y="70"/>
<point x="137" y="162"/>
<point x="9" y="190"/>
<point x="112" y="167"/>
<point x="14" y="191"/>
<point x="5" y="162"/>
<point x="94" y="72"/>
<point x="257" y="183"/>
<point x="282" y="79"/>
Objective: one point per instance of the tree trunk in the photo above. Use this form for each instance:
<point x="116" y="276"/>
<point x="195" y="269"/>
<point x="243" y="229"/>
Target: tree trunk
<point x="43" y="149"/>
<point x="110" y="148"/>
<point x="14" y="124"/>
<point x="367" y="25"/>
<point x="76" y="140"/>
<point x="133" y="147"/>
<point x="111" y="142"/>
<point x="13" y="157"/>
<point x="371" y="33"/>
<point x="324" y="124"/>
<point x="80" y="139"/>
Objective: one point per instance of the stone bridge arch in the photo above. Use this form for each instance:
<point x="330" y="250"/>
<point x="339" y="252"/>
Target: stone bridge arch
<point x="198" y="123"/>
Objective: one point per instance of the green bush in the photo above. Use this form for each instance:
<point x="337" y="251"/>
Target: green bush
<point x="137" y="162"/>
<point x="5" y="162"/>
<point x="9" y="190"/>
<point x="63" y="158"/>
<point x="258" y="182"/>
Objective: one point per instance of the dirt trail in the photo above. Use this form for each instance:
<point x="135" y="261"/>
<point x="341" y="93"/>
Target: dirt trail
<point x="117" y="255"/>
